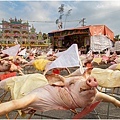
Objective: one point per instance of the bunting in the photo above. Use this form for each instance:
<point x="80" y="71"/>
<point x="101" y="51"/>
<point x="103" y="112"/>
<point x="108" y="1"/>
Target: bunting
<point x="68" y="58"/>
<point x="107" y="53"/>
<point x="50" y="52"/>
<point x="22" y="52"/>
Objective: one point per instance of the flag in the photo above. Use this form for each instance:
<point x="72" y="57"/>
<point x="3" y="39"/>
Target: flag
<point x="22" y="52"/>
<point x="34" y="51"/>
<point x="68" y="58"/>
<point x="12" y="51"/>
<point x="50" y="52"/>
<point x="89" y="53"/>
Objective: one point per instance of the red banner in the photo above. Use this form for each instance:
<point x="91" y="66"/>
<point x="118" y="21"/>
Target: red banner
<point x="7" y="75"/>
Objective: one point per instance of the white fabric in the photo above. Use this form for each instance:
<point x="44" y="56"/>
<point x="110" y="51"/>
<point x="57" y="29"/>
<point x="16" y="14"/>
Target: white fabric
<point x="12" y="51"/>
<point x="22" y="85"/>
<point x="50" y="52"/>
<point x="34" y="51"/>
<point x="107" y="53"/>
<point x="22" y="52"/>
<point x="117" y="46"/>
<point x="58" y="53"/>
<point x="112" y="49"/>
<point x="106" y="78"/>
<point x="89" y="53"/>
<point x="100" y="43"/>
<point x="68" y="58"/>
<point x="31" y="50"/>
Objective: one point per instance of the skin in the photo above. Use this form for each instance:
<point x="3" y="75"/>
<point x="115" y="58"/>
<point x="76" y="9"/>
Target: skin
<point x="4" y="66"/>
<point x="113" y="67"/>
<point x="90" y="95"/>
<point x="8" y="66"/>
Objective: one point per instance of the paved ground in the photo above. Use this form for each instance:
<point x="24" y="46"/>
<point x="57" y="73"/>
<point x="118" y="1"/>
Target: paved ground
<point x="102" y="111"/>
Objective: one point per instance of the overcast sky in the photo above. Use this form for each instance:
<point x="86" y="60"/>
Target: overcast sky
<point x="43" y="14"/>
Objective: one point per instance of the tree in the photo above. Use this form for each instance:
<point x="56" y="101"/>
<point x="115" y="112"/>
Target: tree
<point x="117" y="37"/>
<point x="67" y="14"/>
<point x="44" y="36"/>
<point x="61" y="9"/>
<point x="59" y="21"/>
<point x="40" y="36"/>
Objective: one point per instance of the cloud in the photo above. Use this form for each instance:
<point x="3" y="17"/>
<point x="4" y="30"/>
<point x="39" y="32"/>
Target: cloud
<point x="43" y="14"/>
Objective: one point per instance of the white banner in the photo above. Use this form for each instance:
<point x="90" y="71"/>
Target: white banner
<point x="107" y="53"/>
<point x="34" y="51"/>
<point x="22" y="52"/>
<point x="117" y="46"/>
<point x="50" y="52"/>
<point x="68" y="58"/>
<point x="100" y="43"/>
<point x="12" y="51"/>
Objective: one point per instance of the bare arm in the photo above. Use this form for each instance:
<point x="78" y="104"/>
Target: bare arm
<point x="113" y="67"/>
<point x="18" y="104"/>
<point x="75" y="73"/>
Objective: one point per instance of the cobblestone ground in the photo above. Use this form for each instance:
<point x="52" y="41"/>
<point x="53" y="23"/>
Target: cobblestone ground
<point x="102" y="111"/>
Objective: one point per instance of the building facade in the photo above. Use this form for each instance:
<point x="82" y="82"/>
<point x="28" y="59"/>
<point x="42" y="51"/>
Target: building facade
<point x="18" y="32"/>
<point x="84" y="37"/>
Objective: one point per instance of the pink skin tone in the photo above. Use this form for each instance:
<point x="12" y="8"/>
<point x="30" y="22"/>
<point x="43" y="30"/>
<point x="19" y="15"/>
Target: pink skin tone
<point x="4" y="66"/>
<point x="67" y="93"/>
<point x="113" y="67"/>
<point x="8" y="66"/>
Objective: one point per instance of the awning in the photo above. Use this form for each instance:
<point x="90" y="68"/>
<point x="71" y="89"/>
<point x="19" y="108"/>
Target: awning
<point x="101" y="30"/>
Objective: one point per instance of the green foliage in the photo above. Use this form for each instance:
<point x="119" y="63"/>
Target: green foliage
<point x="44" y="36"/>
<point x="117" y="37"/>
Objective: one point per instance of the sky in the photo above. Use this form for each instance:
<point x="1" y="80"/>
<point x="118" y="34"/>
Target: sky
<point x="43" y="14"/>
